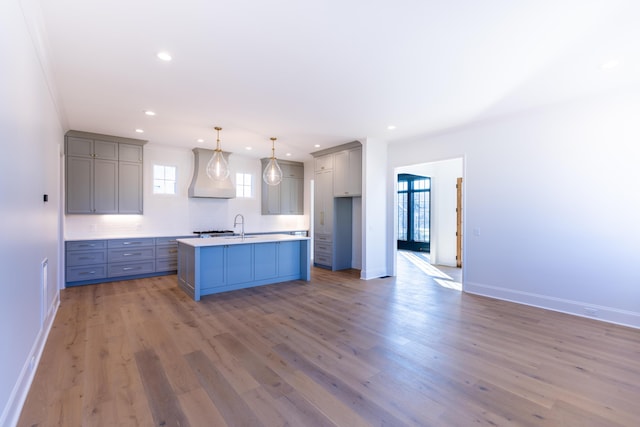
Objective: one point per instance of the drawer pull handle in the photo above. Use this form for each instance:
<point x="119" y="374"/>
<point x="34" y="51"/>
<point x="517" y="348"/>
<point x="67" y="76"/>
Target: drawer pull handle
<point x="87" y="257"/>
<point x="88" y="272"/>
<point x="132" y="254"/>
<point x="131" y="243"/>
<point x="128" y="268"/>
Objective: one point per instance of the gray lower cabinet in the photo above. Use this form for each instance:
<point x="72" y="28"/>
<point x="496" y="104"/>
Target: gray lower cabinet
<point x="286" y="198"/>
<point x="97" y="261"/>
<point x="167" y="254"/>
<point x="103" y="174"/>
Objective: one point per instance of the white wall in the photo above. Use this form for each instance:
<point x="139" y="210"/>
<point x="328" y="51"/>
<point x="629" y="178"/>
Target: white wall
<point x="551" y="205"/>
<point x="374" y="217"/>
<point x="178" y="214"/>
<point x="31" y="135"/>
<point x="443" y="176"/>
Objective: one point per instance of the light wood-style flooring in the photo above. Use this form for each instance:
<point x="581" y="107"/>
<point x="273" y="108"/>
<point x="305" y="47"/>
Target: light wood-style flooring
<point x="337" y="351"/>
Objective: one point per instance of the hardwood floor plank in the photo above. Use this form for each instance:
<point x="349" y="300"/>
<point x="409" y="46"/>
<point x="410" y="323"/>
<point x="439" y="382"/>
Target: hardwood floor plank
<point x="352" y="398"/>
<point x="200" y="410"/>
<point x="233" y="408"/>
<point x="165" y="406"/>
<point x="268" y="379"/>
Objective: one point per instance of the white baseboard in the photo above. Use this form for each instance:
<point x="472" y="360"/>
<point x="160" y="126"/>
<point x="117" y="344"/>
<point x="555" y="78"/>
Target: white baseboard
<point x="11" y="413"/>
<point x="372" y="274"/>
<point x="576" y="308"/>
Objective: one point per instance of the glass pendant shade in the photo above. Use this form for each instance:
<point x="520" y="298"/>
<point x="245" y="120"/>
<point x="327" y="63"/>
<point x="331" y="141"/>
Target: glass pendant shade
<point x="218" y="168"/>
<point x="272" y="174"/>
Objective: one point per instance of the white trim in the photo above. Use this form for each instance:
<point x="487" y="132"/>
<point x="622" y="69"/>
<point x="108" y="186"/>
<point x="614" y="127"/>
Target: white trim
<point x="576" y="308"/>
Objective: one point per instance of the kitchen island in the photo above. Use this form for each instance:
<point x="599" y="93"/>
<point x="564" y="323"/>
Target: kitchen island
<point x="220" y="264"/>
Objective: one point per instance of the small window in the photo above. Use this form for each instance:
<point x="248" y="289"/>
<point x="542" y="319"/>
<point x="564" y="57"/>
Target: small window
<point x="243" y="185"/>
<point x="164" y="179"/>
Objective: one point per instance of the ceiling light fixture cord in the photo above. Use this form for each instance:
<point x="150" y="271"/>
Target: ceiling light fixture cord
<point x="272" y="174"/>
<point x="218" y="168"/>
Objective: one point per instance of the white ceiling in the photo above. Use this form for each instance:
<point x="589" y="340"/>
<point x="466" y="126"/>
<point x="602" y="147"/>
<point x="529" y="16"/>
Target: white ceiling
<point x="326" y="72"/>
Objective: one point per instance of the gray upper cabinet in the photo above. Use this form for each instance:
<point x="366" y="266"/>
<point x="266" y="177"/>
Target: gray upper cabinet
<point x="347" y="173"/>
<point x="286" y="198"/>
<point x="103" y="174"/>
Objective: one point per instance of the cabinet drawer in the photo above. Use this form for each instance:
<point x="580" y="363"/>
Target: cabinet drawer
<point x="75" y="274"/>
<point x="86" y="257"/>
<point x="86" y="244"/>
<point x="131" y="243"/>
<point x="318" y="237"/>
<point x="322" y="259"/>
<point x="131" y="268"/>
<point x="167" y="252"/>
<point x="167" y="264"/>
<point x="131" y="254"/>
<point x="324" y="247"/>
<point x="168" y="241"/>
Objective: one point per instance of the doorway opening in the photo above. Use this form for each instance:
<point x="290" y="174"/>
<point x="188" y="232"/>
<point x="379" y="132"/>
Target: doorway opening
<point x="429" y="226"/>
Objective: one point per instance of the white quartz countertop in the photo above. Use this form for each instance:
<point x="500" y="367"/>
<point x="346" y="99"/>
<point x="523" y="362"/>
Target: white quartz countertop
<point x="237" y="240"/>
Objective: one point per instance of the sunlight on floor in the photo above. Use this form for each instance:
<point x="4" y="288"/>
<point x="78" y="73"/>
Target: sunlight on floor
<point x="439" y="277"/>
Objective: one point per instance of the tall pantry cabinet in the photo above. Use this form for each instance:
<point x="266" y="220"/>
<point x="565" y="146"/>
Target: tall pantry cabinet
<point x="338" y="179"/>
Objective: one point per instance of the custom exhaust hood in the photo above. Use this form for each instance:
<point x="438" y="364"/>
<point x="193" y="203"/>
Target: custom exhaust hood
<point x="202" y="185"/>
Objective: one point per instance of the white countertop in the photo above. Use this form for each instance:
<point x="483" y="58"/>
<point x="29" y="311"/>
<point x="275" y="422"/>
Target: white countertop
<point x="237" y="240"/>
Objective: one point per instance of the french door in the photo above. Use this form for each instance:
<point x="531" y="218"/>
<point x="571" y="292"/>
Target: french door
<point x="414" y="212"/>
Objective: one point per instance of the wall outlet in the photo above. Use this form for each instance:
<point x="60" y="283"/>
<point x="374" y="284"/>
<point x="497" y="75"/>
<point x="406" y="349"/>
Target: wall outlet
<point x="590" y="311"/>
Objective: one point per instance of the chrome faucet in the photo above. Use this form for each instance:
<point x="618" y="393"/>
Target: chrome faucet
<point x="235" y="223"/>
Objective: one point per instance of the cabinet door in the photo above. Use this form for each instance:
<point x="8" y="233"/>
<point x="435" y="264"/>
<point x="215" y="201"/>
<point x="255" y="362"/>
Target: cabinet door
<point x="340" y="174"/>
<point x="79" y="190"/>
<point x="105" y="150"/>
<point x="291" y="197"/>
<point x="79" y="147"/>
<point x="130" y="188"/>
<point x="289" y="258"/>
<point x="265" y="260"/>
<point x="347" y="173"/>
<point x="271" y="199"/>
<point x="130" y="153"/>
<point x="323" y="218"/>
<point x="324" y="163"/>
<point x="105" y="186"/>
<point x="239" y="262"/>
<point x="355" y="172"/>
<point x="211" y="266"/>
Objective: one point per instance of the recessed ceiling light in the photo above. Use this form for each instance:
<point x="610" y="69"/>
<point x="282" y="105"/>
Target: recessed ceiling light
<point x="200" y="140"/>
<point x="165" y="56"/>
<point x="139" y="131"/>
<point x="610" y="64"/>
<point x="248" y="148"/>
<point x="288" y="154"/>
<point x="317" y="145"/>
<point x="150" y="113"/>
<point x="391" y="127"/>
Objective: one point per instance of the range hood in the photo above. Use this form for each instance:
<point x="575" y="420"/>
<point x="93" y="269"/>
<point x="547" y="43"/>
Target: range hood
<point x="202" y="185"/>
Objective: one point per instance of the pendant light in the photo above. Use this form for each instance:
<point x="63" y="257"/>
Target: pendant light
<point x="272" y="174"/>
<point x="218" y="168"/>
